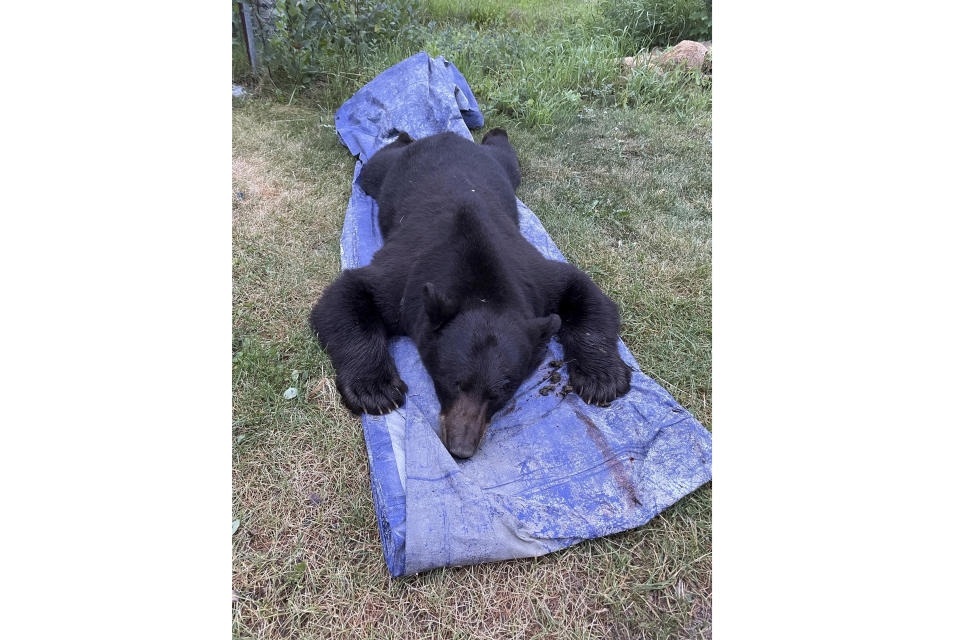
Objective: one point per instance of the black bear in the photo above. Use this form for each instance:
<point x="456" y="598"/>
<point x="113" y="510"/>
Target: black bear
<point x="456" y="276"/>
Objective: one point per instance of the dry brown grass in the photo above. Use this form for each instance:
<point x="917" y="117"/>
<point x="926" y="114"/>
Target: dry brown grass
<point x="307" y="555"/>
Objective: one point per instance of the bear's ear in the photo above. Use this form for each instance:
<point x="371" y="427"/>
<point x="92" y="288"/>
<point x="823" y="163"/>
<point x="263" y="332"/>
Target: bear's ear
<point x="543" y="328"/>
<point x="440" y="309"/>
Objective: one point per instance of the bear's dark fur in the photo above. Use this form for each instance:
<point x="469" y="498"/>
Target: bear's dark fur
<point x="456" y="276"/>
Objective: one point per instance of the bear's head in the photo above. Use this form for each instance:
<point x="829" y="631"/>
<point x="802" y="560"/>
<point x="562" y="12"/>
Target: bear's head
<point x="477" y="357"/>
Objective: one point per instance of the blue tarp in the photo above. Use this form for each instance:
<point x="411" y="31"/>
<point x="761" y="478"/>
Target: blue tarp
<point x="551" y="470"/>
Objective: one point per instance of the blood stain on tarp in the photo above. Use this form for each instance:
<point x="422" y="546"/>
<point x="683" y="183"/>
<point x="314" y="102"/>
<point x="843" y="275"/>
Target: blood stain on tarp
<point x="620" y="473"/>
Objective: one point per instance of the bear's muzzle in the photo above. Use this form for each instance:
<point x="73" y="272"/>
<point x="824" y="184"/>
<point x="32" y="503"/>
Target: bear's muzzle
<point x="463" y="425"/>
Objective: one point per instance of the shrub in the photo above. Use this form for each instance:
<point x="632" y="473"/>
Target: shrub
<point x="310" y="34"/>
<point x="651" y="23"/>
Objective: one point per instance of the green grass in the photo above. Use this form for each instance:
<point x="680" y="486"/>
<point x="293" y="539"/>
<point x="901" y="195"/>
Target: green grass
<point x="530" y="14"/>
<point x="647" y="23"/>
<point x="624" y="189"/>
<point x="538" y="63"/>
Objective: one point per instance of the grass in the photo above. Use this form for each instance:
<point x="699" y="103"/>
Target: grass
<point x="624" y="190"/>
<point x="530" y="14"/>
<point x="537" y="62"/>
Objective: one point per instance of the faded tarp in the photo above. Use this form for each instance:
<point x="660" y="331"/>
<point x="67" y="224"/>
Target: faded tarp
<point x="552" y="470"/>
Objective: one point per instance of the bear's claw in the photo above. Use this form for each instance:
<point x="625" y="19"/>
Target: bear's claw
<point x="375" y="394"/>
<point x="600" y="385"/>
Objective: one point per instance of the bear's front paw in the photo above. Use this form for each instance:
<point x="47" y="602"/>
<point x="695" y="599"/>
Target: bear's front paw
<point x="600" y="384"/>
<point x="373" y="392"/>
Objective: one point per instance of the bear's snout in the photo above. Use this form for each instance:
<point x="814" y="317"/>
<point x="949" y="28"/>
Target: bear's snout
<point x="463" y="425"/>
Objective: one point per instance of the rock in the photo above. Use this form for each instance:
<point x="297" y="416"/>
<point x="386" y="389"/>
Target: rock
<point x="687" y="52"/>
<point x="642" y="59"/>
